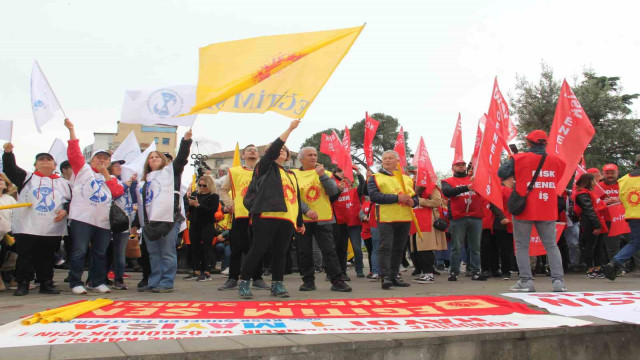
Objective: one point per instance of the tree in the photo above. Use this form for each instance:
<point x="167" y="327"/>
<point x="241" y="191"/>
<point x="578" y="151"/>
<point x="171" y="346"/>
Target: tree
<point x="385" y="140"/>
<point x="601" y="97"/>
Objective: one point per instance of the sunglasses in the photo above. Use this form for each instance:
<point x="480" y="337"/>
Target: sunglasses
<point x="202" y="185"/>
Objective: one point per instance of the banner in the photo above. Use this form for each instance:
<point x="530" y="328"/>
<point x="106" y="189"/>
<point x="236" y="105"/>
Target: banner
<point x="281" y="73"/>
<point x="425" y="173"/>
<point x="620" y="306"/>
<point x="486" y="182"/>
<point x="570" y="133"/>
<point x="347" y="164"/>
<point x="137" y="165"/>
<point x="370" y="129"/>
<point x="536" y="248"/>
<point x="619" y="225"/>
<point x="128" y="150"/>
<point x="155" y="320"/>
<point x="44" y="103"/>
<point x="331" y="145"/>
<point x="456" y="141"/>
<point x="159" y="106"/>
<point x="6" y="130"/>
<point x="401" y="148"/>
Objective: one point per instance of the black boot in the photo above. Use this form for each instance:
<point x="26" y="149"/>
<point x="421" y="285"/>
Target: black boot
<point x="23" y="289"/>
<point x="47" y="287"/>
<point x="398" y="282"/>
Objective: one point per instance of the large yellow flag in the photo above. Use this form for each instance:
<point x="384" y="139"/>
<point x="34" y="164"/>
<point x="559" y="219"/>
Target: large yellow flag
<point x="281" y="73"/>
<point x="236" y="156"/>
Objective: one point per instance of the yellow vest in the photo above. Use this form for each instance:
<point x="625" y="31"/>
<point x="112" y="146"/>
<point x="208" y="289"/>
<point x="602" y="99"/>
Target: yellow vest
<point x="630" y="196"/>
<point x="388" y="213"/>
<point x="225" y="223"/>
<point x="289" y="187"/>
<point x="313" y="194"/>
<point x="240" y="179"/>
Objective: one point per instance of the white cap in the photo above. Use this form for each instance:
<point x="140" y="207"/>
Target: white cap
<point x="100" y="151"/>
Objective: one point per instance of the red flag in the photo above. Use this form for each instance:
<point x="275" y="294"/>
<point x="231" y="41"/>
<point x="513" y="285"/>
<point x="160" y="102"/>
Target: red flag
<point x="456" y="141"/>
<point x="570" y="134"/>
<point x="486" y="182"/>
<point x="370" y="128"/>
<point x="400" y="148"/>
<point x="425" y="218"/>
<point x="425" y="173"/>
<point x="618" y="223"/>
<point x="347" y="164"/>
<point x="476" y="148"/>
<point x="331" y="146"/>
<point x="499" y="109"/>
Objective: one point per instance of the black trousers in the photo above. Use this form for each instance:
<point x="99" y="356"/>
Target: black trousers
<point x="368" y="243"/>
<point x="274" y="233"/>
<point x="35" y="253"/>
<point x="341" y="240"/>
<point x="144" y="261"/>
<point x="393" y="241"/>
<point x="304" y="245"/>
<point x="593" y="245"/>
<point x="201" y="238"/>
<point x="489" y="251"/>
<point x="423" y="260"/>
<point x="240" y="239"/>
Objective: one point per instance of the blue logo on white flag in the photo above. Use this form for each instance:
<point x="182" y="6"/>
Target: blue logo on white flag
<point x="165" y="103"/>
<point x="38" y="103"/>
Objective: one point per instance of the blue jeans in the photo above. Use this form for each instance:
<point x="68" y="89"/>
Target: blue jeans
<point x="572" y="236"/>
<point x="442" y="255"/>
<point x="471" y="229"/>
<point x="163" y="259"/>
<point x="222" y="252"/>
<point x="375" y="246"/>
<point x="83" y="234"/>
<point x="119" y="247"/>
<point x="356" y="244"/>
<point x="632" y="246"/>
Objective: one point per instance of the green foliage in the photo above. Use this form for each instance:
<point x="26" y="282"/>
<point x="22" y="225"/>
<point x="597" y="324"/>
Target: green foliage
<point x="616" y="138"/>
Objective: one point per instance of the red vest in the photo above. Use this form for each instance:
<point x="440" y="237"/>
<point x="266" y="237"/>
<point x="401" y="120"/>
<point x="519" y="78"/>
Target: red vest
<point x="542" y="202"/>
<point x="342" y="205"/>
<point x="354" y="208"/>
<point x="459" y="202"/>
<point x="612" y="190"/>
<point x="487" y="219"/>
<point x="598" y="206"/>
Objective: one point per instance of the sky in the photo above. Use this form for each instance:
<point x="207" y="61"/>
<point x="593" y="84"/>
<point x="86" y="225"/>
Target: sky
<point x="422" y="62"/>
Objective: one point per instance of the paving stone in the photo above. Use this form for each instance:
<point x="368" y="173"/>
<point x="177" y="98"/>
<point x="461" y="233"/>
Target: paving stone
<point x="265" y="345"/>
<point x="26" y="352"/>
<point x="213" y="348"/>
<point x="87" y="351"/>
<point x="164" y="349"/>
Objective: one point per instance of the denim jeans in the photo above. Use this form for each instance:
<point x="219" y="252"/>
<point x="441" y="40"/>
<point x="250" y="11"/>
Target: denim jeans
<point x="222" y="253"/>
<point x="468" y="228"/>
<point x="119" y="247"/>
<point x="163" y="259"/>
<point x="356" y="244"/>
<point x="375" y="245"/>
<point x="572" y="236"/>
<point x="83" y="234"/>
<point x="632" y="246"/>
<point x="547" y="233"/>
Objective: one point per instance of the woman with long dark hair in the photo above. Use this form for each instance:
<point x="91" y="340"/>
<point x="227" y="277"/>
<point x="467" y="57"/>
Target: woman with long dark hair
<point x="587" y="208"/>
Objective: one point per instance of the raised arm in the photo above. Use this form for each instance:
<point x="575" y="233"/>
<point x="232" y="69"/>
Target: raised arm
<point x="10" y="168"/>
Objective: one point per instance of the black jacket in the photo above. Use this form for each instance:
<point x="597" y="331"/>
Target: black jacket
<point x="204" y="214"/>
<point x="588" y="216"/>
<point x="270" y="197"/>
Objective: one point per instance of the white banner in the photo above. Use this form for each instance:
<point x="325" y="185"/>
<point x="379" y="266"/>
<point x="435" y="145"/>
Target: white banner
<point x="96" y="330"/>
<point x="128" y="150"/>
<point x="159" y="106"/>
<point x="621" y="306"/>
<point x="137" y="165"/>
<point x="59" y="151"/>
<point x="6" y="129"/>
<point x="44" y="102"/>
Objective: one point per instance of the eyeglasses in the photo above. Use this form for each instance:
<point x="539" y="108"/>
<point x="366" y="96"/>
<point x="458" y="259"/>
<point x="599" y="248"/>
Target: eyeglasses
<point x="251" y="150"/>
<point x="202" y="185"/>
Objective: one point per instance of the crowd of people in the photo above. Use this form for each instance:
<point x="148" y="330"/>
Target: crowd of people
<point x="251" y="216"/>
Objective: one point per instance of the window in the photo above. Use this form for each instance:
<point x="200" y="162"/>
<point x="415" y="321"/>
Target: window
<point x="165" y="141"/>
<point x="156" y="139"/>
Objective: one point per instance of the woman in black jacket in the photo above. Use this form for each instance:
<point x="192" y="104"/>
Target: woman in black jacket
<point x="590" y="226"/>
<point x="203" y="204"/>
<point x="275" y="214"/>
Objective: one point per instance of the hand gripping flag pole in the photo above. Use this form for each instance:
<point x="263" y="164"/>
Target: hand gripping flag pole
<point x="398" y="175"/>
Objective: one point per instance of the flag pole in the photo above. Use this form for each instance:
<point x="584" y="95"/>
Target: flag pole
<point x="53" y="92"/>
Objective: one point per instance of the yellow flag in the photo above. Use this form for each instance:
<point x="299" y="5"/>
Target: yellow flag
<point x="281" y="73"/>
<point x="236" y="156"/>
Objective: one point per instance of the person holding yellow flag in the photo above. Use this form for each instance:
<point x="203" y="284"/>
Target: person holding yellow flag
<point x="315" y="189"/>
<point x="394" y="217"/>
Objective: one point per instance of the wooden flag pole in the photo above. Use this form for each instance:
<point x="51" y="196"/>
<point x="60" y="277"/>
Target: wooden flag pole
<point x="398" y="175"/>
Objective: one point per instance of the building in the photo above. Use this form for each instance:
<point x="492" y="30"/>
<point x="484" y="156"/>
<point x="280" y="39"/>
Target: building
<point x="165" y="138"/>
<point x="214" y="161"/>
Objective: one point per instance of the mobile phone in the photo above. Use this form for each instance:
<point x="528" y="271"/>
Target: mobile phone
<point x="514" y="148"/>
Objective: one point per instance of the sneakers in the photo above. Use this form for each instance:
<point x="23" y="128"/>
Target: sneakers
<point x="278" y="289"/>
<point x="143" y="283"/>
<point x="453" y="277"/>
<point x="162" y="289"/>
<point x="145" y="288"/>
<point x="48" y="287"/>
<point x="523" y="286"/>
<point x="78" y="290"/>
<point x="611" y="270"/>
<point x="369" y="275"/>
<point x="230" y="284"/>
<point x="203" y="277"/>
<point x="345" y="277"/>
<point x="244" y="290"/>
<point x="259" y="284"/>
<point x="506" y="276"/>
<point x="119" y="285"/>
<point x="340" y="286"/>
<point x="307" y="286"/>
<point x="103" y="289"/>
<point x="397" y="282"/>
<point x="386" y="283"/>
<point x="225" y="272"/>
<point x="595" y="274"/>
<point x="558" y="286"/>
<point x="375" y="277"/>
<point x="359" y="274"/>
<point x="190" y="277"/>
<point x="425" y="279"/>
<point x="478" y="277"/>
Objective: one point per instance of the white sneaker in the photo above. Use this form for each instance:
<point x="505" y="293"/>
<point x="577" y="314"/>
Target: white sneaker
<point x="103" y="289"/>
<point x="79" y="290"/>
<point x="375" y="277"/>
<point x="225" y="272"/>
<point x="523" y="286"/>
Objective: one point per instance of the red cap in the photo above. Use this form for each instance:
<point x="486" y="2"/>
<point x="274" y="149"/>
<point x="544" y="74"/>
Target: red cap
<point x="459" y="161"/>
<point x="609" y="167"/>
<point x="537" y="136"/>
<point x="593" y="171"/>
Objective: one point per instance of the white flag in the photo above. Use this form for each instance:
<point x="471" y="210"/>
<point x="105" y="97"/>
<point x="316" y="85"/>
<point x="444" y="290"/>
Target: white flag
<point x="159" y="106"/>
<point x="6" y="129"/>
<point x="137" y="165"/>
<point x="43" y="101"/>
<point x="128" y="150"/>
<point x="59" y="151"/>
